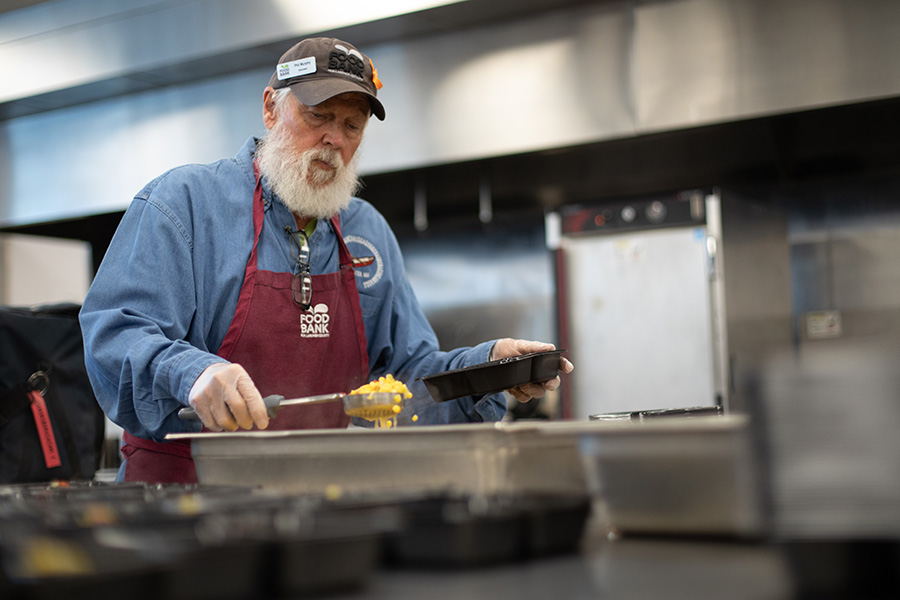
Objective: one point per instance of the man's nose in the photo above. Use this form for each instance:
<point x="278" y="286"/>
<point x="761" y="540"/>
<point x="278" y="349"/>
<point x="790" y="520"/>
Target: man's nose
<point x="333" y="136"/>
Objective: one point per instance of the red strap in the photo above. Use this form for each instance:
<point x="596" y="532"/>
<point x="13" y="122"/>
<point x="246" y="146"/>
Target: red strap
<point x="44" y="429"/>
<point x="345" y="258"/>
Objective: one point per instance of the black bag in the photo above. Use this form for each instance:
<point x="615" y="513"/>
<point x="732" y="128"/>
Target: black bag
<point x="51" y="426"/>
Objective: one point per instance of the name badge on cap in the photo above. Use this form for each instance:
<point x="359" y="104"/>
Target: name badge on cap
<point x="295" y="68"/>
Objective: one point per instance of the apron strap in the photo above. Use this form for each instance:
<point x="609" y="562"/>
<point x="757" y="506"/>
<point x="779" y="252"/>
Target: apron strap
<point x="345" y="258"/>
<point x="243" y="305"/>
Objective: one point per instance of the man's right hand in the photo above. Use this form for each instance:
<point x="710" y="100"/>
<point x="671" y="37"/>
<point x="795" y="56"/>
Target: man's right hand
<point x="225" y="398"/>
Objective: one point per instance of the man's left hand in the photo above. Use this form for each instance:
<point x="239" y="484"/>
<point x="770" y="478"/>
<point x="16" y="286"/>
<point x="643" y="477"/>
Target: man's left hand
<point x="508" y="347"/>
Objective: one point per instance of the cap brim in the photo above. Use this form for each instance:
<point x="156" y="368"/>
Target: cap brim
<point x="315" y="91"/>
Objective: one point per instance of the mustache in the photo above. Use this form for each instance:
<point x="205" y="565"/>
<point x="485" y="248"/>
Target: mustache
<point x="330" y="157"/>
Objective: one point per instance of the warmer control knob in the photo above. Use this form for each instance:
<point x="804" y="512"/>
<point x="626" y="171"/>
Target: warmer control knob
<point x="628" y="214"/>
<point x="656" y="212"/>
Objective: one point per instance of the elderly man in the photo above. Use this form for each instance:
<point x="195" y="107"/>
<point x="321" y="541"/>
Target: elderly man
<point x="263" y="274"/>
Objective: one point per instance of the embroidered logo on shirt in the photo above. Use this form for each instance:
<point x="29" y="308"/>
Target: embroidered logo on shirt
<point x="366" y="275"/>
<point x="314" y="322"/>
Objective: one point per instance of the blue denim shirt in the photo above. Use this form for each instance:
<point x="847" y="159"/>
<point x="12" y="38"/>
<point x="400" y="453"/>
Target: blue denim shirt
<point x="168" y="286"/>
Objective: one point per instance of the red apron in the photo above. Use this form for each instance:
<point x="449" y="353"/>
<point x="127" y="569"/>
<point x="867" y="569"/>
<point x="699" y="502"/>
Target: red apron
<point x="286" y="350"/>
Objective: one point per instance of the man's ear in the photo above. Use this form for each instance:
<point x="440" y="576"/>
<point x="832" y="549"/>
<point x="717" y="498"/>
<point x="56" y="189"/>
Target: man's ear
<point x="268" y="111"/>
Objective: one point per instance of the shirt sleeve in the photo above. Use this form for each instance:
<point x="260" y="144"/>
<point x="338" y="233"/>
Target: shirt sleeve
<point x="402" y="342"/>
<point x="134" y="321"/>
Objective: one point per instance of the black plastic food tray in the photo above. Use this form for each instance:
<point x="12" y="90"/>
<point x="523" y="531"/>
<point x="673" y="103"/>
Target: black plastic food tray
<point x="452" y="533"/>
<point x="173" y="542"/>
<point x="494" y="376"/>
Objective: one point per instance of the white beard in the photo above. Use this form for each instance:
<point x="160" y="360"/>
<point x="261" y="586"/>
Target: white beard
<point x="306" y="190"/>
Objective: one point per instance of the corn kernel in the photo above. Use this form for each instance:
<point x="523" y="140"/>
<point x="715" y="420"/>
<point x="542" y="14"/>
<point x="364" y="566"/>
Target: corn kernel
<point x="333" y="491"/>
<point x="386" y="383"/>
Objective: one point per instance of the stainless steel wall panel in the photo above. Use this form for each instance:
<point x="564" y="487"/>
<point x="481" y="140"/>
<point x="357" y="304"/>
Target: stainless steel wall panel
<point x="577" y="74"/>
<point x="96" y="40"/>
<point x="489" y="91"/>
<point x="468" y="299"/>
<point x="94" y="158"/>
<point x="844" y="244"/>
<point x="703" y="61"/>
<point x="558" y="80"/>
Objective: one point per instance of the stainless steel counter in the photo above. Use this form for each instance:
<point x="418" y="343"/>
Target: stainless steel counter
<point x="565" y="577"/>
<point x="630" y="570"/>
<point x="649" y="569"/>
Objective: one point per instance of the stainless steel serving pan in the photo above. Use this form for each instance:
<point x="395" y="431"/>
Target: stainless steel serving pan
<point x="676" y="476"/>
<point x="479" y="458"/>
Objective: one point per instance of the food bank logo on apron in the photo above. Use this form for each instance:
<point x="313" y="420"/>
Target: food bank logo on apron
<point x="314" y="322"/>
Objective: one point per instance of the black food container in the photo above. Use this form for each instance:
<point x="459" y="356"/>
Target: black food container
<point x="475" y="531"/>
<point x="173" y="542"/>
<point x="494" y="376"/>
